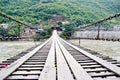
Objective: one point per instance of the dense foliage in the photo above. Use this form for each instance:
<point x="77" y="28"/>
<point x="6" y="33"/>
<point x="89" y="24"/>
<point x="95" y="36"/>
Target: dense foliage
<point x="68" y="30"/>
<point x="79" y="11"/>
<point x="11" y="31"/>
<point x="43" y="34"/>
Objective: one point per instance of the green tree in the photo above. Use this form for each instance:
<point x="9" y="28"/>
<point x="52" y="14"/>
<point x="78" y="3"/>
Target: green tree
<point x="3" y="32"/>
<point x="60" y="24"/>
<point x="11" y="32"/>
<point x="44" y="34"/>
<point x="68" y="30"/>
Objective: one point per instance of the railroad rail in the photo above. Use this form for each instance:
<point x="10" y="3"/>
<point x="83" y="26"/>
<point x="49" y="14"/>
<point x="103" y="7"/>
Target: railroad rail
<point x="56" y="59"/>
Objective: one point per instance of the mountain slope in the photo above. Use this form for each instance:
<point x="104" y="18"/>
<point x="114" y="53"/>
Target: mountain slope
<point x="79" y="11"/>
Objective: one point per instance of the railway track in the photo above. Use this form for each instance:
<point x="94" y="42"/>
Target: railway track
<point x="57" y="59"/>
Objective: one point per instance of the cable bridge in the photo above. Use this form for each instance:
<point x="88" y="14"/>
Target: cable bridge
<point x="56" y="59"/>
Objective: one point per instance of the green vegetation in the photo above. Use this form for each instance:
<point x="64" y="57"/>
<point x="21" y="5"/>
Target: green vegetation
<point x="11" y="31"/>
<point x="78" y="11"/>
<point x="3" y="32"/>
<point x="60" y="24"/>
<point x="68" y="30"/>
<point x="44" y="34"/>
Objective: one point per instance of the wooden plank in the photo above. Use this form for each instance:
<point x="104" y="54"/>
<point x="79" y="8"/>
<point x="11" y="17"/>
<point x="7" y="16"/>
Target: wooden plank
<point x="108" y="65"/>
<point x="49" y="70"/>
<point x="93" y="63"/>
<point x="32" y="65"/>
<point x="114" y="78"/>
<point x="78" y="71"/>
<point x="28" y="77"/>
<point x="63" y="71"/>
<point x="8" y="70"/>
<point x="31" y="68"/>
<point x="87" y="61"/>
<point x="101" y="74"/>
<point x="38" y="58"/>
<point x="34" y="62"/>
<point x="95" y="70"/>
<point x="30" y="62"/>
<point x="92" y="66"/>
<point x="26" y="72"/>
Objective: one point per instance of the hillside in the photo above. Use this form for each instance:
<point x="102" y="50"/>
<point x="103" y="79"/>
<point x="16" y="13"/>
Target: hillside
<point x="79" y="11"/>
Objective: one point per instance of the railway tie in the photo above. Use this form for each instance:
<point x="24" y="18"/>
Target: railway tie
<point x="56" y="59"/>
